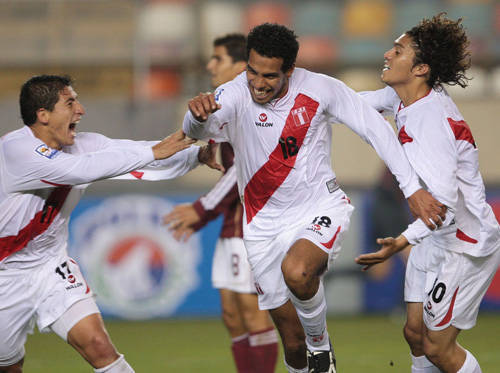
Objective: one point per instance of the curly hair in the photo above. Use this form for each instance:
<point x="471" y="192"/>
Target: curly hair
<point x="443" y="45"/>
<point x="40" y="91"/>
<point x="273" y="40"/>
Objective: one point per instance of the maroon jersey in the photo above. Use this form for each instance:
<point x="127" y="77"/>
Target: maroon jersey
<point x="223" y="199"/>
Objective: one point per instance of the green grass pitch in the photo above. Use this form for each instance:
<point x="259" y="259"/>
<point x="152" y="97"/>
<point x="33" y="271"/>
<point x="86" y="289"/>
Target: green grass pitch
<point x="362" y="344"/>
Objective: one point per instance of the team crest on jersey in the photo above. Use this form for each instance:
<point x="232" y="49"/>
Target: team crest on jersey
<point x="135" y="265"/>
<point x="300" y="116"/>
<point x="46" y="151"/>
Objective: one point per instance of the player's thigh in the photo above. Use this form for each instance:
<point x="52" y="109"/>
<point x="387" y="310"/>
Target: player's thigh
<point x="254" y="318"/>
<point x="230" y="267"/>
<point x="64" y="287"/>
<point x="319" y="238"/>
<point x="438" y="341"/>
<point x="416" y="274"/>
<point x="459" y="286"/>
<point x="18" y="289"/>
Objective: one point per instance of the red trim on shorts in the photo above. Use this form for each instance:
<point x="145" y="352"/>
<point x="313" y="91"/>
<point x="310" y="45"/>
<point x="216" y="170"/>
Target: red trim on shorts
<point x="329" y="244"/>
<point x="273" y="173"/>
<point x="137" y="174"/>
<point x="447" y="317"/>
<point x="39" y="224"/>
<point x="53" y="184"/>
<point x="462" y="236"/>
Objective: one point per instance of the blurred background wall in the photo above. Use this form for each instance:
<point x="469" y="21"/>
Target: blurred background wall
<point x="136" y="63"/>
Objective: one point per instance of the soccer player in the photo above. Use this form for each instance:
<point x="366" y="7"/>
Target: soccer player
<point x="276" y="117"/>
<point x="45" y="167"/>
<point x="450" y="269"/>
<point x="254" y="340"/>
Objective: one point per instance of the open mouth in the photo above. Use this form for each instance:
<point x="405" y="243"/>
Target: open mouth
<point x="260" y="93"/>
<point x="72" y="128"/>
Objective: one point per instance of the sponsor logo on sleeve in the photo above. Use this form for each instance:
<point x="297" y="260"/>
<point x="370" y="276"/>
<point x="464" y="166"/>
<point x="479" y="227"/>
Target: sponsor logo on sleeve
<point x="46" y="151"/>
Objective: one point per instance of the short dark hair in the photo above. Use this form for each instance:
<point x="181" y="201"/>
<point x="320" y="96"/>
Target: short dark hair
<point x="443" y="45"/>
<point x="235" y="45"/>
<point x="41" y="92"/>
<point x="273" y="40"/>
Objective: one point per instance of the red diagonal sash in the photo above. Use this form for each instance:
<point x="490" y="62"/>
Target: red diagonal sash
<point x="273" y="173"/>
<point x="39" y="224"/>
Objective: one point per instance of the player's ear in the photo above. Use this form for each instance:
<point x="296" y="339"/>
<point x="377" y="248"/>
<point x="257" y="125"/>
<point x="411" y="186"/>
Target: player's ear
<point x="289" y="72"/>
<point x="421" y="69"/>
<point x="42" y="116"/>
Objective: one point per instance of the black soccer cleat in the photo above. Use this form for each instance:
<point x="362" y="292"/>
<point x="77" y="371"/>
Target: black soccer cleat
<point x="322" y="361"/>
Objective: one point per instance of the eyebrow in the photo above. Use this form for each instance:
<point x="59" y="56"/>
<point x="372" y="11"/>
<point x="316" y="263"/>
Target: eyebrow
<point x="268" y="75"/>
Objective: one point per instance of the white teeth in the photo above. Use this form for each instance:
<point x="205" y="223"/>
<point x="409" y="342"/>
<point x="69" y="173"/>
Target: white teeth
<point x="259" y="93"/>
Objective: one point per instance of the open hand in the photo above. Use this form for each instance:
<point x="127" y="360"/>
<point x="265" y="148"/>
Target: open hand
<point x="390" y="246"/>
<point x="181" y="219"/>
<point x="172" y="144"/>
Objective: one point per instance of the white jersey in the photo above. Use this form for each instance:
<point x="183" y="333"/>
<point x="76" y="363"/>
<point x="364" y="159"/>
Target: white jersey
<point x="40" y="186"/>
<point x="441" y="149"/>
<point x="282" y="149"/>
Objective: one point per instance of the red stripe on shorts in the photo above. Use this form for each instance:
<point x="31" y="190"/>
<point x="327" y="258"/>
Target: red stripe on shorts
<point x="273" y="173"/>
<point x="447" y="317"/>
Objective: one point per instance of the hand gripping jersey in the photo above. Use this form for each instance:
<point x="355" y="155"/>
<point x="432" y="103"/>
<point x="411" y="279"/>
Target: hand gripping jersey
<point x="441" y="149"/>
<point x="40" y="186"/>
<point x="282" y="149"/>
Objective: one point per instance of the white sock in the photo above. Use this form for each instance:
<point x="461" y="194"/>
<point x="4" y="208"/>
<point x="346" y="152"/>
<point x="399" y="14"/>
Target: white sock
<point x="295" y="370"/>
<point x="312" y="315"/>
<point x="120" y="365"/>
<point x="470" y="364"/>
<point x="420" y="364"/>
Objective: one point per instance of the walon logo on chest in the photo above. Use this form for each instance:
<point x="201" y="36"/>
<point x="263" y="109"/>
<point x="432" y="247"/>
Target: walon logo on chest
<point x="262" y="122"/>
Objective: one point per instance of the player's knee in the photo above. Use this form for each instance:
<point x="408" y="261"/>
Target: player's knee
<point x="231" y="319"/>
<point x="297" y="276"/>
<point x="432" y="350"/>
<point x="99" y="350"/>
<point x="413" y="336"/>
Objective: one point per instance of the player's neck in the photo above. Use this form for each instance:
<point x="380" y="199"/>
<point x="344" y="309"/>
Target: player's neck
<point x="41" y="133"/>
<point x="412" y="92"/>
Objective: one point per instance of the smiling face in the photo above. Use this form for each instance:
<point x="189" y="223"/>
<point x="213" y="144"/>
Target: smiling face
<point x="59" y="125"/>
<point x="399" y="66"/>
<point x="222" y="68"/>
<point x="265" y="79"/>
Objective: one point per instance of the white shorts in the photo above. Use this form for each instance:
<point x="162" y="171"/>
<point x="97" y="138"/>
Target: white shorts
<point x="324" y="227"/>
<point x="40" y="294"/>
<point x="449" y="285"/>
<point x="230" y="267"/>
